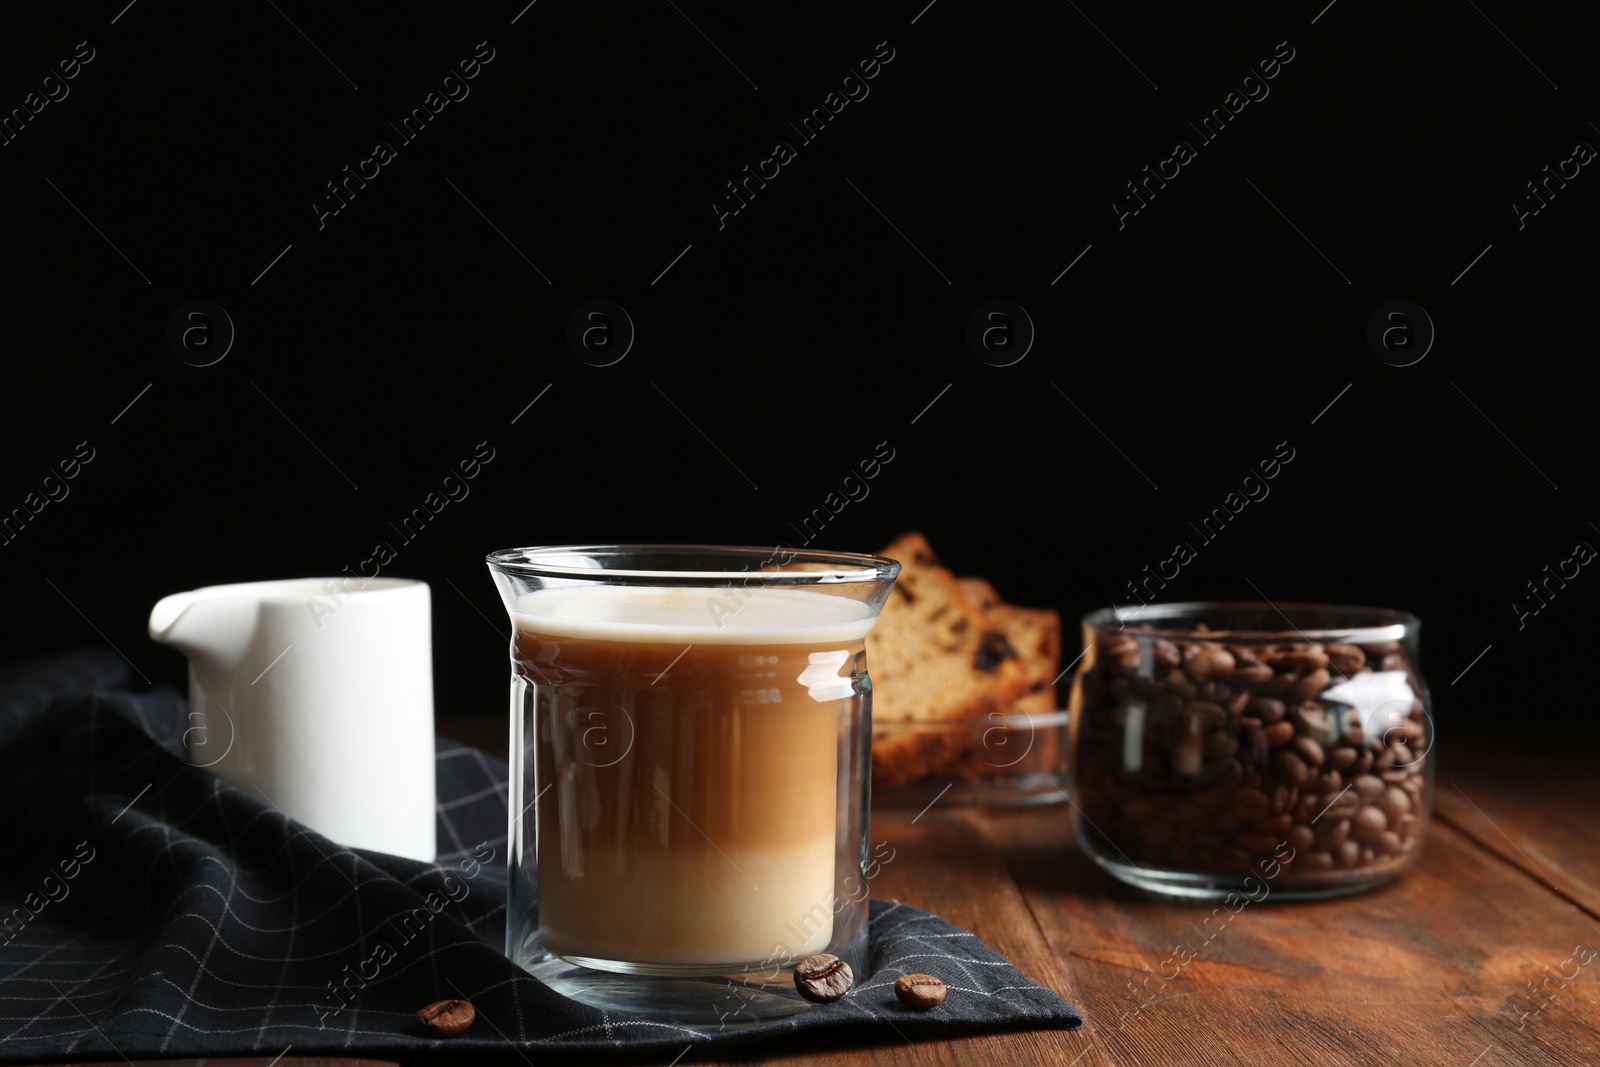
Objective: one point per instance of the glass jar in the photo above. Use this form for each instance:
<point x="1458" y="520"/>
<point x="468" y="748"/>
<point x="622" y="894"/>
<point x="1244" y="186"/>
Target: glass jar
<point x="1222" y="749"/>
<point x="689" y="772"/>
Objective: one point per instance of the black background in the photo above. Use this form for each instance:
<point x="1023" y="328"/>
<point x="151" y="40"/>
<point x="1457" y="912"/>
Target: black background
<point x="414" y="324"/>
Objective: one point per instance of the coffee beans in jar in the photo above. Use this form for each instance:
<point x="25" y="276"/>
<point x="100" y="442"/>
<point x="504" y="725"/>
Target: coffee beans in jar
<point x="1213" y="742"/>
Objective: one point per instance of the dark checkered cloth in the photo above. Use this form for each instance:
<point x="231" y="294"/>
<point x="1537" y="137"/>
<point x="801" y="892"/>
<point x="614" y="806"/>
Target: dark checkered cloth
<point x="151" y="910"/>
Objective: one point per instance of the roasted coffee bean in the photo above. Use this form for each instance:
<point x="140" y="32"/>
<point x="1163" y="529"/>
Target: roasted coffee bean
<point x="1347" y="855"/>
<point x="1332" y="834"/>
<point x="1345" y="660"/>
<point x="1221" y="770"/>
<point x="1209" y="661"/>
<point x="1250" y="804"/>
<point x="1395" y="804"/>
<point x="1221" y="743"/>
<point x="1343" y="758"/>
<point x="1308" y="749"/>
<point x="1312" y="720"/>
<point x="1215" y="796"/>
<point x="1300" y="838"/>
<point x="1290" y="767"/>
<point x="1277" y="685"/>
<point x="1276" y="825"/>
<point x="1314" y="861"/>
<point x="1210" y="716"/>
<point x="1368" y="787"/>
<point x="1387" y="844"/>
<point x="823" y="978"/>
<point x="1179" y="684"/>
<point x="1265" y="709"/>
<point x="447" y="1018"/>
<point x="1282" y="798"/>
<point x="1252" y="674"/>
<point x="1121" y="654"/>
<point x="1166" y="654"/>
<point x="919" y="991"/>
<point x="1329" y="782"/>
<point x="1343" y="804"/>
<point x="1278" y="734"/>
<point x="1369" y="823"/>
<point x="1298" y="660"/>
<point x="1310" y="685"/>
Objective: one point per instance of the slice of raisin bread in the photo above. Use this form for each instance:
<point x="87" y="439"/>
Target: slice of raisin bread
<point x="933" y="656"/>
<point x="1010" y="747"/>
<point x="980" y="592"/>
<point x="1035" y="634"/>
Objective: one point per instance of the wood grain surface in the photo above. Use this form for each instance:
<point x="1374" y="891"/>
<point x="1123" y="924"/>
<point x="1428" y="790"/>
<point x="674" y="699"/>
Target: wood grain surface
<point x="1470" y="959"/>
<point x="1476" y="957"/>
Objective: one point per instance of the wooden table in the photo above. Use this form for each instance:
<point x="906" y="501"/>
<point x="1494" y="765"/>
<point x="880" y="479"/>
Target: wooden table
<point x="1434" y="968"/>
<point x="1442" y="966"/>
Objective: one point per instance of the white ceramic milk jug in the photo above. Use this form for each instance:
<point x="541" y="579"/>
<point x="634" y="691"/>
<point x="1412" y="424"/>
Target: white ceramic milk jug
<point x="317" y="695"/>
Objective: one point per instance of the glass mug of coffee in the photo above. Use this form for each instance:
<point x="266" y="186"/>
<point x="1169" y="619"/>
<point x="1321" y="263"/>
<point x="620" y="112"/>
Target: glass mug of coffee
<point x="690" y="731"/>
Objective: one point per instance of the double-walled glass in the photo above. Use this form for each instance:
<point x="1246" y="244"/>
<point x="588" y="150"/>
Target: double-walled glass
<point x="689" y="771"/>
<point x="1239" y="749"/>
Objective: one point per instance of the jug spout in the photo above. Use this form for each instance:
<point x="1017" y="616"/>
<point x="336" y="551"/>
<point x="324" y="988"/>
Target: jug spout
<point x="211" y="628"/>
<point x="165" y="615"/>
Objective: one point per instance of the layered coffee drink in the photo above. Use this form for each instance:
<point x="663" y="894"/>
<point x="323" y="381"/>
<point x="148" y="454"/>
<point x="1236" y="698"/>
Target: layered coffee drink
<point x="691" y="802"/>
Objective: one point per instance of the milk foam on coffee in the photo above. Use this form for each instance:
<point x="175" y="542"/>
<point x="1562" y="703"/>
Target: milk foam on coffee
<point x="694" y="787"/>
<point x="694" y="615"/>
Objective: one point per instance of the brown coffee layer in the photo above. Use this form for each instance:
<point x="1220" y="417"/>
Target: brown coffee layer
<point x="691" y="795"/>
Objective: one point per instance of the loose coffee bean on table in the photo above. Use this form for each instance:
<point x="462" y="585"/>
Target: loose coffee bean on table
<point x="1214" y="756"/>
<point x="823" y="978"/>
<point x="447" y="1018"/>
<point x="920" y="991"/>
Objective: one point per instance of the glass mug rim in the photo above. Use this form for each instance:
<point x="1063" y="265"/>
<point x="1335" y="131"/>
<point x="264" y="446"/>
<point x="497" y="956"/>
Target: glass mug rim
<point x="1361" y="624"/>
<point x="556" y="561"/>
